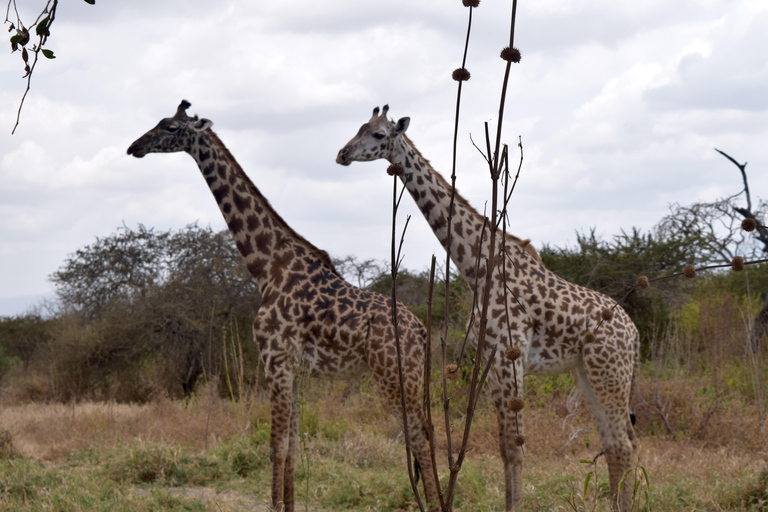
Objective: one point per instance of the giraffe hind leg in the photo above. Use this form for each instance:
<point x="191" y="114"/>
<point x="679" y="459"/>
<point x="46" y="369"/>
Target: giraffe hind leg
<point x="290" y="461"/>
<point x="608" y="400"/>
<point x="417" y="432"/>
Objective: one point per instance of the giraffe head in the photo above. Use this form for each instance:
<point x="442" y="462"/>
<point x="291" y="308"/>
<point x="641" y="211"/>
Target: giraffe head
<point x="172" y="134"/>
<point x="374" y="140"/>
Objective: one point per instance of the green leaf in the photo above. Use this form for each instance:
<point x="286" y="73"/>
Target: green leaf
<point x="15" y="39"/>
<point x="647" y="480"/>
<point x="48" y="53"/>
<point x="586" y="484"/>
<point x="42" y="27"/>
<point x="92" y="2"/>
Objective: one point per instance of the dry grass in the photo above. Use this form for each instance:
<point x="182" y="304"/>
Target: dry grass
<point x="354" y="449"/>
<point x="50" y="431"/>
<point x="354" y="452"/>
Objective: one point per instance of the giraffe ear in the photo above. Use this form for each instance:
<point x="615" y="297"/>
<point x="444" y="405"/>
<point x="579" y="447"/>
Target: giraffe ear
<point x="402" y="124"/>
<point x="202" y="125"/>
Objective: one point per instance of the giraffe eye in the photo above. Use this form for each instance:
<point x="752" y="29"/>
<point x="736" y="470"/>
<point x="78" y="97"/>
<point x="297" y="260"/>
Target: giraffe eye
<point x="378" y="136"/>
<point x="172" y="127"/>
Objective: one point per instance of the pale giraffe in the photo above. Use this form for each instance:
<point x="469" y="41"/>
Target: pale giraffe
<point x="310" y="320"/>
<point x="543" y="315"/>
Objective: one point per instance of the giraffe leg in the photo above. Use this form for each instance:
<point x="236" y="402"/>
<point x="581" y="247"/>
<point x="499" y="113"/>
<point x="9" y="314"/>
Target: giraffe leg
<point x="418" y="434"/>
<point x="281" y="402"/>
<point x="419" y="438"/>
<point x="608" y="398"/>
<point x="290" y="461"/>
<point x="510" y="426"/>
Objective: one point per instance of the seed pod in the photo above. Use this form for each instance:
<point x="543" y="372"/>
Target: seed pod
<point x="395" y="170"/>
<point x="511" y="54"/>
<point x="460" y="74"/>
<point x="737" y="264"/>
<point x="590" y="338"/>
<point x="748" y="224"/>
<point x="451" y="372"/>
<point x="512" y="353"/>
<point x="606" y="314"/>
<point x="515" y="404"/>
<point x="643" y="283"/>
<point x="689" y="271"/>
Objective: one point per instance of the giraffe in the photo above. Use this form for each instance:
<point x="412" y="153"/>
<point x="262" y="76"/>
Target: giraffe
<point x="544" y="316"/>
<point x="310" y="320"/>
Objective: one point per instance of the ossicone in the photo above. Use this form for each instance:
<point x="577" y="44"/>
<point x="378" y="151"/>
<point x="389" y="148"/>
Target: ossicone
<point x="183" y="106"/>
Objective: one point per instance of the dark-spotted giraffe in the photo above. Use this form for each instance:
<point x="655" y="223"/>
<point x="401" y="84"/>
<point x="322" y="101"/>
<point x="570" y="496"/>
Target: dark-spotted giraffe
<point x="531" y="308"/>
<point x="311" y="320"/>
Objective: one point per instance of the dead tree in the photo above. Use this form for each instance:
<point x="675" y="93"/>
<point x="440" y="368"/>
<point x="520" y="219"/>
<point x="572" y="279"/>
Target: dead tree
<point x="760" y="324"/>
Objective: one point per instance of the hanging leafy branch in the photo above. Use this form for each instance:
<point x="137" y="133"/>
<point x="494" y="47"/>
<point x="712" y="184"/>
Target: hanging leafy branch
<point x="21" y="38"/>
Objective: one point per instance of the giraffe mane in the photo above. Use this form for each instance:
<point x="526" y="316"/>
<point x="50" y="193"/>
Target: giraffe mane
<point x="518" y="241"/>
<point x="320" y="254"/>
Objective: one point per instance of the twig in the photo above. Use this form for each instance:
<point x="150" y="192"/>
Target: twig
<point x="574" y="436"/>
<point x="42" y="33"/>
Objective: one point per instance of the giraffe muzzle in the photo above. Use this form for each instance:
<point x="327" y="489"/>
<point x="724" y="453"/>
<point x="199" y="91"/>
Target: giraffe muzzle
<point x="136" y="151"/>
<point x="341" y="158"/>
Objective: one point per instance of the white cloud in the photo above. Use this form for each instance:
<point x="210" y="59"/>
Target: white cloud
<point x="618" y="103"/>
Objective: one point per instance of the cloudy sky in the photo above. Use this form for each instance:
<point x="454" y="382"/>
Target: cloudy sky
<point x="619" y="104"/>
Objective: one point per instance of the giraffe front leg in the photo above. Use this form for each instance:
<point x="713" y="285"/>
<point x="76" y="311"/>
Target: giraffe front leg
<point x="510" y="424"/>
<point x="510" y="427"/>
<point x="281" y="401"/>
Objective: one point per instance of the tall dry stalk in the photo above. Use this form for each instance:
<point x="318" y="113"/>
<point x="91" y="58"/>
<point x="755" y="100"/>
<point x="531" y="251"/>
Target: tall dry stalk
<point x="498" y="167"/>
<point x="395" y="261"/>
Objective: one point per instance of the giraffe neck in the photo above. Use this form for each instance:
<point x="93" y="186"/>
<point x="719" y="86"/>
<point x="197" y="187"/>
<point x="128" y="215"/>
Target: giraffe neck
<point x="265" y="241"/>
<point x="432" y="194"/>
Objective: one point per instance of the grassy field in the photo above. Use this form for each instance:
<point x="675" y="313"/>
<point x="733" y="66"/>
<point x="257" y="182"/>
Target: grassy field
<point x="211" y="454"/>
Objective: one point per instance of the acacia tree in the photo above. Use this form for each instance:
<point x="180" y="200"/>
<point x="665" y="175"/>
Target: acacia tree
<point x="154" y="299"/>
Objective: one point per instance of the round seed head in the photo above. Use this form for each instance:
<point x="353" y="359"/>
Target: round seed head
<point x="470" y="3"/>
<point x="511" y="54"/>
<point x="590" y="338"/>
<point x="607" y="314"/>
<point x="519" y="440"/>
<point x="460" y="74"/>
<point x="451" y="372"/>
<point x="515" y="404"/>
<point x="643" y="283"/>
<point x="689" y="271"/>
<point x="395" y="170"/>
<point x="748" y="224"/>
<point x="737" y="264"/>
<point x="512" y="353"/>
